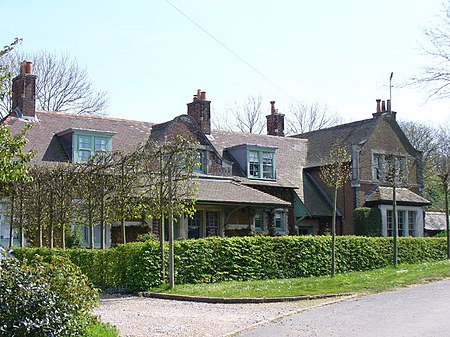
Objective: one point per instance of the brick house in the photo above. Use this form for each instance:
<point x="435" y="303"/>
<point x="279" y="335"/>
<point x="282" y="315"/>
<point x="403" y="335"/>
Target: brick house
<point x="247" y="182"/>
<point x="373" y="145"/>
<point x="235" y="197"/>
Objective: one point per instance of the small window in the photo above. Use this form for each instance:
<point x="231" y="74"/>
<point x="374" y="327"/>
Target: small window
<point x="194" y="225"/>
<point x="212" y="223"/>
<point x="411" y="222"/>
<point x="401" y="223"/>
<point x="268" y="165"/>
<point x="84" y="142"/>
<point x="200" y="162"/>
<point x="389" y="222"/>
<point x="100" y="144"/>
<point x="258" y="221"/>
<point x="253" y="160"/>
<point x="84" y="155"/>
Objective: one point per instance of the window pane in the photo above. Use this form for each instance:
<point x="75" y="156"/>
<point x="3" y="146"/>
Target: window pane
<point x="83" y="155"/>
<point x="100" y="144"/>
<point x="267" y="165"/>
<point x="279" y="220"/>
<point x="84" y="142"/>
<point x="411" y="222"/>
<point x="194" y="225"/>
<point x="401" y="222"/>
<point x="257" y="219"/>
<point x="253" y="159"/>
<point x="212" y="223"/>
<point x="389" y="222"/>
<point x="200" y="162"/>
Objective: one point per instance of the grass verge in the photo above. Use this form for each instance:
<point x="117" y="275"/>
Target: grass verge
<point x="355" y="282"/>
<point x="97" y="329"/>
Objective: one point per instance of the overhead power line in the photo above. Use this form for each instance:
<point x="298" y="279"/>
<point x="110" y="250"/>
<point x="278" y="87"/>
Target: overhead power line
<point x="230" y="50"/>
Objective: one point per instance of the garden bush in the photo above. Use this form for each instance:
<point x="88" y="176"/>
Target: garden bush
<point x="40" y="298"/>
<point x="136" y="266"/>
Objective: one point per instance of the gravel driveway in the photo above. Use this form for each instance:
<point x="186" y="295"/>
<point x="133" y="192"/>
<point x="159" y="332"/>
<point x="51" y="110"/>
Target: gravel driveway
<point x="138" y="316"/>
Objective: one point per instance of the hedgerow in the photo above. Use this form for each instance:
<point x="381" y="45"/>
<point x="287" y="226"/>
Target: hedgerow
<point x="136" y="266"/>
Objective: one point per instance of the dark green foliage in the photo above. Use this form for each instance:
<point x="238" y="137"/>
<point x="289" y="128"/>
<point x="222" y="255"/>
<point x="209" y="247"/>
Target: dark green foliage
<point x="367" y="221"/>
<point x="135" y="266"/>
<point x="40" y="298"/>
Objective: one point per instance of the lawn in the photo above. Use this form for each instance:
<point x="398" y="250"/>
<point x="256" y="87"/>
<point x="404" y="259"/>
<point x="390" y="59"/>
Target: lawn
<point x="355" y="282"/>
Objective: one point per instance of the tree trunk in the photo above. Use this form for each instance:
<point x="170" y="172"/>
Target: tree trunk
<point x="11" y="222"/>
<point x="333" y="235"/>
<point x="394" y="223"/>
<point x="161" y="245"/>
<point x="446" y="217"/>
<point x="122" y="230"/>
<point x="171" y="251"/>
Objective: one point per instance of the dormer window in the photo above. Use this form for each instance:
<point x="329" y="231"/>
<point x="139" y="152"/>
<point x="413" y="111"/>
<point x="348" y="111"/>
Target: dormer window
<point x="81" y="144"/>
<point x="90" y="144"/>
<point x="261" y="163"/>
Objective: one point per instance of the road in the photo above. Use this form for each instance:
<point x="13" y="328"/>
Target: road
<point x="416" y="311"/>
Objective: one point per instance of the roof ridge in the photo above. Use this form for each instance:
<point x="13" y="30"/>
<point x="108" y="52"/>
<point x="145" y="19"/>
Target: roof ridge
<point x="103" y="117"/>
<point x="345" y="125"/>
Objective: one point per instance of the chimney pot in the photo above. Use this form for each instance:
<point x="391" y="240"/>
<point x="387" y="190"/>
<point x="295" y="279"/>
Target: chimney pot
<point x="388" y="103"/>
<point x="29" y="67"/>
<point x="378" y="105"/>
<point x="203" y="95"/>
<point x="383" y="106"/>
<point x="272" y="108"/>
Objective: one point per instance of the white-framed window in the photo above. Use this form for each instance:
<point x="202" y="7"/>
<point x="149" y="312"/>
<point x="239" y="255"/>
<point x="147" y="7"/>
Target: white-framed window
<point x="253" y="163"/>
<point x="268" y="171"/>
<point x="200" y="162"/>
<point x="406" y="222"/>
<point x="280" y="220"/>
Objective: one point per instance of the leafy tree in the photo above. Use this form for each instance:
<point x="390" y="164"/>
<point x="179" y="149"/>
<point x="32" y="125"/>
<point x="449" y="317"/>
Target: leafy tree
<point x="170" y="190"/>
<point x="306" y="117"/>
<point x="5" y="74"/>
<point x="335" y="172"/>
<point x="62" y="86"/>
<point x="435" y="76"/>
<point x="125" y="201"/>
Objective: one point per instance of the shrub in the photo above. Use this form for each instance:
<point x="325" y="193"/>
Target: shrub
<point x="367" y="221"/>
<point x="40" y="298"/>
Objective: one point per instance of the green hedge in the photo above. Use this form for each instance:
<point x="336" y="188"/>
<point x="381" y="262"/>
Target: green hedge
<point x="135" y="266"/>
<point x="367" y="221"/>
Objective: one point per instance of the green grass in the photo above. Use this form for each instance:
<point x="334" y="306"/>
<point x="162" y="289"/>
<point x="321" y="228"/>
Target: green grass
<point x="97" y="329"/>
<point x="355" y="282"/>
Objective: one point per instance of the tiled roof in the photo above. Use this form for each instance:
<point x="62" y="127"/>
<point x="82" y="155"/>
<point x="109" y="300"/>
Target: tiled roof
<point x="42" y="137"/>
<point x="383" y="194"/>
<point x="435" y="221"/>
<point x="227" y="191"/>
<point x="321" y="141"/>
<point x="290" y="156"/>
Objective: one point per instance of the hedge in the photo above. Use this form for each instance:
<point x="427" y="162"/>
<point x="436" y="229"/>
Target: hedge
<point x="135" y="266"/>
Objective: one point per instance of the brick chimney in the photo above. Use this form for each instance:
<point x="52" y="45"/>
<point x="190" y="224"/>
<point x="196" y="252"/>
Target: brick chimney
<point x="275" y="122"/>
<point x="24" y="91"/>
<point x="200" y="110"/>
<point x="384" y="107"/>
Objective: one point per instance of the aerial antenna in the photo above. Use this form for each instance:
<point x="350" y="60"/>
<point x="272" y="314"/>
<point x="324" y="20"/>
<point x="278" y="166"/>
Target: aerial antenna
<point x="390" y="91"/>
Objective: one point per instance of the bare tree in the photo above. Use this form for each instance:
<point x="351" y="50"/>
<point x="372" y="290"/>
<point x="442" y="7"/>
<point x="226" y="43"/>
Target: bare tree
<point x="62" y="85"/>
<point x="436" y="76"/>
<point x="248" y="116"/>
<point x="306" y="117"/>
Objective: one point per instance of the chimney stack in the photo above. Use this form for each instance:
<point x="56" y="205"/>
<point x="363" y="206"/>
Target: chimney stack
<point x="384" y="107"/>
<point x="275" y="122"/>
<point x="24" y="91"/>
<point x="200" y="110"/>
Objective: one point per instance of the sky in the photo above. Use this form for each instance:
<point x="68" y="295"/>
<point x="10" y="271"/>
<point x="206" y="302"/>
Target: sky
<point x="152" y="56"/>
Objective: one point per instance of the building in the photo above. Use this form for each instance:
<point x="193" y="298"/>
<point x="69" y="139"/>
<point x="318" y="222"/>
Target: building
<point x="248" y="183"/>
<point x="376" y="146"/>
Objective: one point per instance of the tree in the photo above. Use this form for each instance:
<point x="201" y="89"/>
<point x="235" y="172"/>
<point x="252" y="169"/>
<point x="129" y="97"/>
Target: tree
<point x="309" y="117"/>
<point x="62" y="85"/>
<point x="247" y="116"/>
<point x="436" y="76"/>
<point x="169" y="188"/>
<point x="5" y="74"/>
<point x="335" y="172"/>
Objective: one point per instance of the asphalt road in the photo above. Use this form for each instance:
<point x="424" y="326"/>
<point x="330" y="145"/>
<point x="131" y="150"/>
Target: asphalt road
<point x="416" y="311"/>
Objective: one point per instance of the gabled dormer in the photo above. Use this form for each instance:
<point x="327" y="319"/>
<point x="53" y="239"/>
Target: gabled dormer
<point x="81" y="144"/>
<point x="258" y="162"/>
